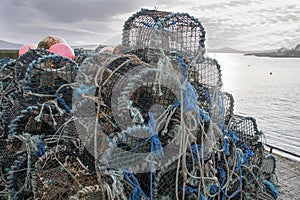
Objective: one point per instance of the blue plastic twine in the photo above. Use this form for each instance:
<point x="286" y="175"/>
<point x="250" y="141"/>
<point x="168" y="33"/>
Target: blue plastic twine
<point x="226" y="146"/>
<point x="247" y="154"/>
<point x="272" y="188"/>
<point x="62" y="101"/>
<point x="137" y="193"/>
<point x="190" y="96"/>
<point x="42" y="149"/>
<point x="233" y="136"/>
<point x="155" y="146"/>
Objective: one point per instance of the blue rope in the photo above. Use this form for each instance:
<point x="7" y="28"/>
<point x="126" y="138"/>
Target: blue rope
<point x="247" y="154"/>
<point x="239" y="167"/>
<point x="226" y="146"/>
<point x="62" y="101"/>
<point x="137" y="193"/>
<point x="222" y="174"/>
<point x="272" y="188"/>
<point x="183" y="68"/>
<point x="155" y="146"/>
<point x="213" y="189"/>
<point x="176" y="104"/>
<point x="194" y="150"/>
<point x="42" y="148"/>
<point x="190" y="96"/>
<point x="191" y="190"/>
<point x="234" y="137"/>
<point x="155" y="141"/>
<point x="207" y="96"/>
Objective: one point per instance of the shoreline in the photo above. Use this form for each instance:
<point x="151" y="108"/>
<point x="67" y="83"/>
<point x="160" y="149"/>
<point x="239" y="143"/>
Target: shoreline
<point x="288" y="174"/>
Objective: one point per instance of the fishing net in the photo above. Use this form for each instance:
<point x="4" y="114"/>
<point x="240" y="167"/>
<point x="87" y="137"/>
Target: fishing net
<point x="150" y="122"/>
<point x="148" y="31"/>
<point x="45" y="119"/>
<point x="7" y="75"/>
<point x="8" y="154"/>
<point x="13" y="103"/>
<point x="50" y="77"/>
<point x="60" y="173"/>
<point x="81" y="55"/>
<point x="18" y="180"/>
<point x="23" y="62"/>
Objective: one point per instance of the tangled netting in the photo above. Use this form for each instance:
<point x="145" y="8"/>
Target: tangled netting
<point x="152" y="122"/>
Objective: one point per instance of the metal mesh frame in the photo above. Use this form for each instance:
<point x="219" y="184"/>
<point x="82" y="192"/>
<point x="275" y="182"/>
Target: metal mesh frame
<point x="60" y="173"/>
<point x="12" y="105"/>
<point x="18" y="180"/>
<point x="228" y="106"/>
<point x="8" y="155"/>
<point x="206" y="71"/>
<point x="177" y="33"/>
<point x="47" y="75"/>
<point x="7" y="75"/>
<point x="45" y="119"/>
<point x="246" y="129"/>
<point x="23" y="62"/>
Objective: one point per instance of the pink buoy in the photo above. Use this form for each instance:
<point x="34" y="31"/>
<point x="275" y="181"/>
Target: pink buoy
<point x="106" y="50"/>
<point x="26" y="48"/>
<point x="62" y="49"/>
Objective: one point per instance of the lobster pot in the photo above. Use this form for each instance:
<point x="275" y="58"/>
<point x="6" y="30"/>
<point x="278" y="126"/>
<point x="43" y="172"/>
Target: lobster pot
<point x="7" y="75"/>
<point x="13" y="103"/>
<point x="247" y="132"/>
<point x="50" y="77"/>
<point x="206" y="71"/>
<point x="148" y="32"/>
<point x="61" y="173"/>
<point x="45" y="119"/>
<point x="81" y="55"/>
<point x="246" y="129"/>
<point x="8" y="154"/>
<point x="23" y="62"/>
<point x="228" y="107"/>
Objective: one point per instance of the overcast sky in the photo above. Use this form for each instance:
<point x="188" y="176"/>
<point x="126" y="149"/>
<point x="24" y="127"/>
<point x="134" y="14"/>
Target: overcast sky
<point x="241" y="24"/>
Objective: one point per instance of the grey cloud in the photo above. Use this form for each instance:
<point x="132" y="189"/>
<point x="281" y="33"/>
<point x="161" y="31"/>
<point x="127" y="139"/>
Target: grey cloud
<point x="222" y="5"/>
<point x="80" y="10"/>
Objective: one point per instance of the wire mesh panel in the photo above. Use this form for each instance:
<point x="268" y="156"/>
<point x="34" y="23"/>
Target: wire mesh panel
<point x="206" y="71"/>
<point x="245" y="128"/>
<point x="7" y="75"/>
<point x="249" y="138"/>
<point x="45" y="119"/>
<point x="81" y="55"/>
<point x="8" y="154"/>
<point x="18" y="180"/>
<point x="13" y="103"/>
<point x="147" y="31"/>
<point x="60" y="173"/>
<point x="23" y="62"/>
<point x="50" y="77"/>
<point x="228" y="106"/>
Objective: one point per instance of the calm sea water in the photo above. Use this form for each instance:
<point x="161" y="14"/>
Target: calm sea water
<point x="267" y="89"/>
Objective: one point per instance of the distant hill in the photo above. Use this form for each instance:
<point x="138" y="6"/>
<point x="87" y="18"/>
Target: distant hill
<point x="9" y="45"/>
<point x="282" y="52"/>
<point x="225" y="50"/>
<point x="86" y="46"/>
